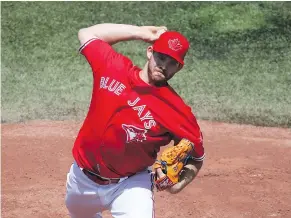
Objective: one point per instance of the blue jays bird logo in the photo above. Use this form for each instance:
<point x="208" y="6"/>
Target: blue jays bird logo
<point x="134" y="133"/>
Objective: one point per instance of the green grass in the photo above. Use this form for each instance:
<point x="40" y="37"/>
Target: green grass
<point x="238" y="69"/>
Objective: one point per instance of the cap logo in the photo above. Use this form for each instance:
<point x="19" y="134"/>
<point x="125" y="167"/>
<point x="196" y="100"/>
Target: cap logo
<point x="175" y="44"/>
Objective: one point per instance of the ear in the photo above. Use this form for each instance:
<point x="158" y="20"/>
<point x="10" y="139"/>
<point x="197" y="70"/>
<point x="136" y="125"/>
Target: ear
<point x="180" y="67"/>
<point x="150" y="52"/>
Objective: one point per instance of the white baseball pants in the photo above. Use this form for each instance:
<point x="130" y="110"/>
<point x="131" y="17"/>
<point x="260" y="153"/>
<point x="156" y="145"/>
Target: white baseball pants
<point x="130" y="198"/>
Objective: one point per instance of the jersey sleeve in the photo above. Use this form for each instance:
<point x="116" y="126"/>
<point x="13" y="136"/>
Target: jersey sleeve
<point x="100" y="55"/>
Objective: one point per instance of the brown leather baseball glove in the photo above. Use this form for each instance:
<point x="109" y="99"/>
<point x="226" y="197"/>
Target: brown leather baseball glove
<point x="171" y="162"/>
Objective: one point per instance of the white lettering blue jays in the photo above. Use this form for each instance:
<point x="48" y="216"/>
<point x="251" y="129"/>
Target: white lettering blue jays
<point x="144" y="116"/>
<point x="114" y="86"/>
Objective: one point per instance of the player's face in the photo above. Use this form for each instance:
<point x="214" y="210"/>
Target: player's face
<point x="162" y="67"/>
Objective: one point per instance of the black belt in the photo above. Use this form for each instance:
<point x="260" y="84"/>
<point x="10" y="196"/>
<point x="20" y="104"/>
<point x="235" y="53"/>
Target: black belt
<point x="99" y="179"/>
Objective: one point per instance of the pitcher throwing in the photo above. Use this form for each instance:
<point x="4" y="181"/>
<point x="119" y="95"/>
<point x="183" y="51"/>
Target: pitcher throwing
<point x="133" y="112"/>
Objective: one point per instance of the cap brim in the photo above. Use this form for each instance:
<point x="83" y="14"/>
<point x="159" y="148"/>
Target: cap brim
<point x="177" y="58"/>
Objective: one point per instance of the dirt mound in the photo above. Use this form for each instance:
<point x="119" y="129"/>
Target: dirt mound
<point x="247" y="172"/>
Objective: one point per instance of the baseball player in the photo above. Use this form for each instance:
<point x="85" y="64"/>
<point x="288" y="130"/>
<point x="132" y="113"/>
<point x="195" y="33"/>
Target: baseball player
<point x="133" y="112"/>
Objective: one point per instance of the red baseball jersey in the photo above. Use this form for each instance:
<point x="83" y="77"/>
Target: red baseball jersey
<point x="119" y="136"/>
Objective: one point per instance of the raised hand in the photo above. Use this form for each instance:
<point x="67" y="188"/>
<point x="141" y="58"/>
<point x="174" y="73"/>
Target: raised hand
<point x="152" y="33"/>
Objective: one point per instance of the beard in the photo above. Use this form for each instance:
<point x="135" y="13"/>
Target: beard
<point x="156" y="76"/>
